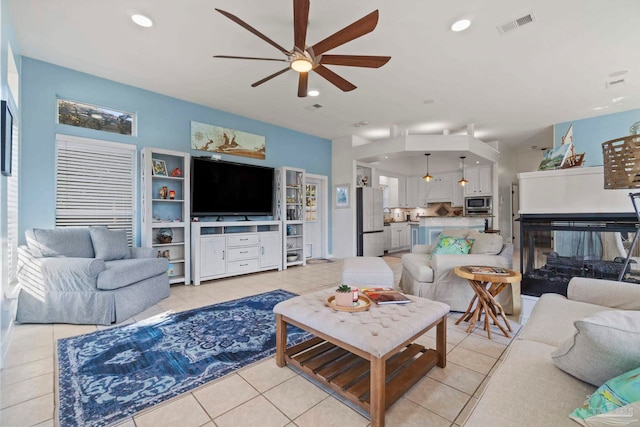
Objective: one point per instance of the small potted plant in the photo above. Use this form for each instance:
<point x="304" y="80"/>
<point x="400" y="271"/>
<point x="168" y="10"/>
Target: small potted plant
<point x="344" y="296"/>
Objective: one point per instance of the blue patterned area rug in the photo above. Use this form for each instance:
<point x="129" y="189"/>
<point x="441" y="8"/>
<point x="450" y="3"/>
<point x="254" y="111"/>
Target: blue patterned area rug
<point x="109" y="375"/>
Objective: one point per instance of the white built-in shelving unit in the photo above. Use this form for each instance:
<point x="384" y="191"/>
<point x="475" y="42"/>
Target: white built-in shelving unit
<point x="290" y="209"/>
<point x="160" y="211"/>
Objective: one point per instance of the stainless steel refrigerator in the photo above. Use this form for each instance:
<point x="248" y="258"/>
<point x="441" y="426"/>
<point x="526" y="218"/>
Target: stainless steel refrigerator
<point x="369" y="222"/>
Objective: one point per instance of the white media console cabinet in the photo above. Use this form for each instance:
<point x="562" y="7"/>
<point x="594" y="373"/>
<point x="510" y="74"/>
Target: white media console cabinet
<point x="223" y="249"/>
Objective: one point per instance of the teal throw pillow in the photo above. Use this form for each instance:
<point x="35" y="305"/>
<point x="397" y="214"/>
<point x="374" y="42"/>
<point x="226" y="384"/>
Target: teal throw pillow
<point x="453" y="245"/>
<point x="612" y="403"/>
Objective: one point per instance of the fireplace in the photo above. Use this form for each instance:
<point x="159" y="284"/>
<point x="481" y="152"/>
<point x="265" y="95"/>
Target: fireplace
<point x="555" y="247"/>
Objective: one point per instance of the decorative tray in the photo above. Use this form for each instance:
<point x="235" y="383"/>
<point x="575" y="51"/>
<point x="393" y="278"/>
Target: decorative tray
<point x="363" y="304"/>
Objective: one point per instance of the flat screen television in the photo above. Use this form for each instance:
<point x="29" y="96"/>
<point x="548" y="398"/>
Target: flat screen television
<point x="220" y="188"/>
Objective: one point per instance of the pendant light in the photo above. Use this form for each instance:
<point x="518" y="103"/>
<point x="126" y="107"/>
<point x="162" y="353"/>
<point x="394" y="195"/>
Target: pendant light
<point x="463" y="181"/>
<point x="427" y="177"/>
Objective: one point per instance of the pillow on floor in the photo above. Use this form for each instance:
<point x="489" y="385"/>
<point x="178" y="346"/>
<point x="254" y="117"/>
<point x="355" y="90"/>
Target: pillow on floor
<point x="453" y="245"/>
<point x="604" y="346"/>
<point x="108" y="244"/>
<point x="612" y="403"/>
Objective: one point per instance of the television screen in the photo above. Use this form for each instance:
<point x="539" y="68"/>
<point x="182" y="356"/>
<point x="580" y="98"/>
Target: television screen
<point x="226" y="188"/>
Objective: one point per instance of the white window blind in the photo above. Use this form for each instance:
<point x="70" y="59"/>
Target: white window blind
<point x="12" y="208"/>
<point x="95" y="184"/>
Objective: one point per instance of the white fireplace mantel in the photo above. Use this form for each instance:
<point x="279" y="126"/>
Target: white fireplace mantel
<point x="574" y="190"/>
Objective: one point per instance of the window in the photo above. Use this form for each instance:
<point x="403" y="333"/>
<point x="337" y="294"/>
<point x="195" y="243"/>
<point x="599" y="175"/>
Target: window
<point x="95" y="184"/>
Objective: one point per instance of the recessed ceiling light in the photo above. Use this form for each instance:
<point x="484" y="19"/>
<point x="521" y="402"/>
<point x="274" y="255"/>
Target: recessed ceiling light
<point x="429" y="101"/>
<point x="142" y="20"/>
<point x="313" y="93"/>
<point x="618" y="99"/>
<point x="601" y="108"/>
<point x="460" y="25"/>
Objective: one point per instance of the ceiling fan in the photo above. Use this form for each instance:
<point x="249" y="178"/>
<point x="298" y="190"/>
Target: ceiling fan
<point x="303" y="58"/>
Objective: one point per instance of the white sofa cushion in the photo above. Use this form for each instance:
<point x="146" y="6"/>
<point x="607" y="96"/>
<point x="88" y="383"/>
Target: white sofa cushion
<point x="419" y="265"/>
<point x="554" y="324"/>
<point x="485" y="243"/>
<point x="604" y="346"/>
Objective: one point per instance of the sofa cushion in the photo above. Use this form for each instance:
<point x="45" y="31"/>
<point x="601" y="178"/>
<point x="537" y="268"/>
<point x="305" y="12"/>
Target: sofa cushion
<point x="605" y="345"/>
<point x="60" y="242"/>
<point x="453" y="246"/>
<point x="124" y="272"/>
<point x="611" y="402"/>
<point x="485" y="243"/>
<point x="455" y="232"/>
<point x="419" y="265"/>
<point x="554" y="323"/>
<point x="109" y="244"/>
<point x="528" y="390"/>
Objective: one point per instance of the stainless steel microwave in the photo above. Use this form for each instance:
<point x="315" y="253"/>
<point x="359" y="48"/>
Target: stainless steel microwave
<point x="478" y="204"/>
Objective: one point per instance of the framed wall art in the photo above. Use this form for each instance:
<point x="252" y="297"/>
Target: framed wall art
<point x="7" y="132"/>
<point x="206" y="137"/>
<point x="159" y="167"/>
<point x="94" y="117"/>
<point x="342" y="196"/>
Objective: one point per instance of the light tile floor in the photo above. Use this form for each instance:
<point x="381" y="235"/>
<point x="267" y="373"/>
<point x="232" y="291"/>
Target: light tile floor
<point x="261" y="394"/>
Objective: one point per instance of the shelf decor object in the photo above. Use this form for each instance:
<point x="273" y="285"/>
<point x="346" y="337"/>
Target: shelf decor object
<point x="290" y="209"/>
<point x="165" y="220"/>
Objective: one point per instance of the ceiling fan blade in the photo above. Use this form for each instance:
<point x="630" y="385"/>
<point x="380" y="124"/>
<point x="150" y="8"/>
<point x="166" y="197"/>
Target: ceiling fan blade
<point x="355" y="60"/>
<point x="249" y="57"/>
<point x="253" y="30"/>
<point x="300" y="22"/>
<point x="303" y="81"/>
<point x="357" y="29"/>
<point x="266" y="79"/>
<point x="335" y="79"/>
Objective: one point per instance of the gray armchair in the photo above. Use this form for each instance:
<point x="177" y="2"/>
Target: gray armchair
<point x="431" y="275"/>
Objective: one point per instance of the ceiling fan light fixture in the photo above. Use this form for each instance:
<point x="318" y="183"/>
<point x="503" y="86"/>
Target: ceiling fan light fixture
<point x="313" y="92"/>
<point x="460" y="25"/>
<point x="301" y="65"/>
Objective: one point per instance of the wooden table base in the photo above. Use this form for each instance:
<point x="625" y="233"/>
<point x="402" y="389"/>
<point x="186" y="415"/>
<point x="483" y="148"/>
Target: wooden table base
<point x="373" y="383"/>
<point x="485" y="303"/>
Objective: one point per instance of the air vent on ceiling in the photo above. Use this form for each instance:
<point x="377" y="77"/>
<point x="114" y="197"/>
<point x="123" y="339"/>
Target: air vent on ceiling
<point x="516" y="23"/>
<point x="616" y="81"/>
<point x="314" y="107"/>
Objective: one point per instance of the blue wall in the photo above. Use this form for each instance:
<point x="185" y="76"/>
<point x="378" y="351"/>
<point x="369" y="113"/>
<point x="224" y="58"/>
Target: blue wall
<point x="589" y="134"/>
<point x="163" y="122"/>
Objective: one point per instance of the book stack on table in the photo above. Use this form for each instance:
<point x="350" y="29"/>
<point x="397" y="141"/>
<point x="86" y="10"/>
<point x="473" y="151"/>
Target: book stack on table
<point x="385" y="296"/>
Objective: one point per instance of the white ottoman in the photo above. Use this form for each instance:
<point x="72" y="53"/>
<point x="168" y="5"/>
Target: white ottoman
<point x="371" y="271"/>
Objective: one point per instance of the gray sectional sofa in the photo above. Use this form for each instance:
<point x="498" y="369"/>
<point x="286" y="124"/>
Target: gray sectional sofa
<point x="592" y="334"/>
<point x="86" y="276"/>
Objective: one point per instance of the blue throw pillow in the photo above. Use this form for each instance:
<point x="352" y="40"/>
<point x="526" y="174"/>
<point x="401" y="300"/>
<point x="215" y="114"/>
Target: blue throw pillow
<point x="108" y="244"/>
<point x="608" y="404"/>
<point x="453" y="245"/>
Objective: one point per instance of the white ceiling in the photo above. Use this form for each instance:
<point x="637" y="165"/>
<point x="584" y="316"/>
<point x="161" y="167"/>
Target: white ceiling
<point x="510" y="86"/>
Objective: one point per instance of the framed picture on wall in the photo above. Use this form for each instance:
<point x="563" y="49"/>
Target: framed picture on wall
<point x="342" y="196"/>
<point x="7" y="131"/>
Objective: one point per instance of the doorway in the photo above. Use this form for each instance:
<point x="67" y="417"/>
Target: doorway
<point x="316" y="214"/>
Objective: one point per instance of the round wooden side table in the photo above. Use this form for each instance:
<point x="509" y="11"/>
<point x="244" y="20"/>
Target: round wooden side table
<point x="486" y="286"/>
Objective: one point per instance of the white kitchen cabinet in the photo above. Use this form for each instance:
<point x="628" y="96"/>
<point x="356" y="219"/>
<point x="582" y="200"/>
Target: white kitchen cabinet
<point x="400" y="233"/>
<point x="479" y="181"/>
<point x="402" y="192"/>
<point x="387" y="237"/>
<point x="391" y="185"/>
<point x="457" y="192"/>
<point x="439" y="189"/>
<point x="413" y="192"/>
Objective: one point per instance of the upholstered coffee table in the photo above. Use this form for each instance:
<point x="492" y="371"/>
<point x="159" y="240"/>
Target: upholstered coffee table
<point x="368" y="357"/>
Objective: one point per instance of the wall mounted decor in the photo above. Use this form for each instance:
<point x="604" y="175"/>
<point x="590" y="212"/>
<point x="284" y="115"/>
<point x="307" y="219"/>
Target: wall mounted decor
<point x="342" y="196"/>
<point x="93" y="117"/>
<point x="206" y="137"/>
<point x="7" y="131"/>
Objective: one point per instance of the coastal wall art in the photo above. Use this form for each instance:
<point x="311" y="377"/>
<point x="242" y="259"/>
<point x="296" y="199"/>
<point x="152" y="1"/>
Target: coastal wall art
<point x="206" y="137"/>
